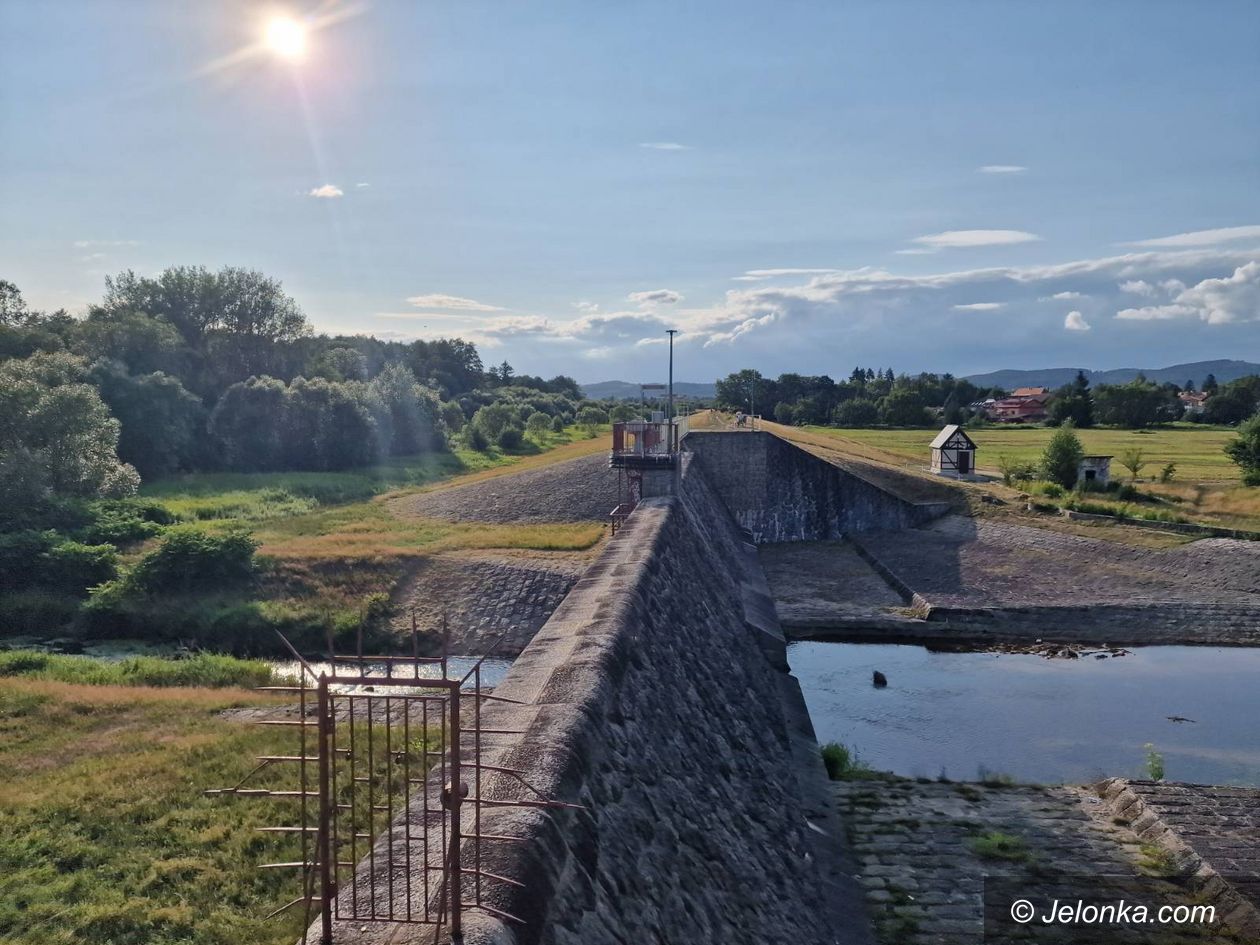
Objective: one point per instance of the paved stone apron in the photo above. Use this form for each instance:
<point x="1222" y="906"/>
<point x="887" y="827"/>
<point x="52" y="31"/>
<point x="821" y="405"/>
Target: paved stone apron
<point x="924" y="881"/>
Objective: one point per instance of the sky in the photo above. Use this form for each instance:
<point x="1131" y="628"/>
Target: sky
<point x="949" y="186"/>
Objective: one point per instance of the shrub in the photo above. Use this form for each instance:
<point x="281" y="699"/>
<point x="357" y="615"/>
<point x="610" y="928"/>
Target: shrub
<point x="1061" y="460"/>
<point x="1168" y="472"/>
<point x="493" y="419"/>
<point x="591" y="419"/>
<point x="477" y="440"/>
<point x="538" y="424"/>
<point x="453" y="416"/>
<point x="557" y="424"/>
<point x="31" y="559"/>
<point x="74" y="567"/>
<point x="510" y="438"/>
<point x="190" y="560"/>
<point x="1244" y="450"/>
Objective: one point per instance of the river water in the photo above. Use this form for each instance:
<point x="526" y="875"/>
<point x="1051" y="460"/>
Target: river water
<point x="1037" y="719"/>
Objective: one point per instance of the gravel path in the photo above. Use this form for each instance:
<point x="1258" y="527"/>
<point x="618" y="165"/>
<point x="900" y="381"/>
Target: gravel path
<point x="578" y="490"/>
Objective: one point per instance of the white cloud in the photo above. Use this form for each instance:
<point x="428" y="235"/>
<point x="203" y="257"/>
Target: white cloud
<point x="1075" y="322"/>
<point x="1138" y="287"/>
<point x="1195" y="238"/>
<point x="921" y="251"/>
<point x="665" y="146"/>
<point x="326" y="192"/>
<point x="92" y="244"/>
<point x="1001" y="169"/>
<point x="438" y="300"/>
<point x="929" y="318"/>
<point x="956" y="239"/>
<point x="655" y="297"/>
<point x="586" y="307"/>
<point x="362" y="184"/>
<point x="757" y="275"/>
<point x="1217" y="301"/>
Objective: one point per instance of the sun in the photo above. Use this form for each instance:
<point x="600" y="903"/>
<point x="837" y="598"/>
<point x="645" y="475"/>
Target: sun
<point x="286" y="37"/>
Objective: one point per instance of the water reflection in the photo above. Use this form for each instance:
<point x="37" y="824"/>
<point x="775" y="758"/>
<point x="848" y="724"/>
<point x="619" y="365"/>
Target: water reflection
<point x="1037" y="719"/>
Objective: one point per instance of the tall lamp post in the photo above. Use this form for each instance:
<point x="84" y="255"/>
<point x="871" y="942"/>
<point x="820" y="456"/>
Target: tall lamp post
<point x="671" y="332"/>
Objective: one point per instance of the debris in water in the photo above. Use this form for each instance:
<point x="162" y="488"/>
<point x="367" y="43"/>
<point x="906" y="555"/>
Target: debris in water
<point x="879" y="679"/>
<point x="1179" y="718"/>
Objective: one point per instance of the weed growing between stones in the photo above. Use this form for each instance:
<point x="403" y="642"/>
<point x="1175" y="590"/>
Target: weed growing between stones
<point x="843" y="764"/>
<point x="996" y="845"/>
<point x="1154" y="763"/>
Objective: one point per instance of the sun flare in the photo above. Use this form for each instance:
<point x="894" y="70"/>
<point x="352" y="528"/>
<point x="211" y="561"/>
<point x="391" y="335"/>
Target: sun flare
<point x="286" y="37"/>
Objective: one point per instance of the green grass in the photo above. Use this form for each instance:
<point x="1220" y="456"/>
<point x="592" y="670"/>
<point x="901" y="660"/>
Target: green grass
<point x="255" y="497"/>
<point x="842" y="763"/>
<point x="333" y="547"/>
<point x="201" y="669"/>
<point x="106" y="834"/>
<point x="1195" y="448"/>
<point x="999" y="846"/>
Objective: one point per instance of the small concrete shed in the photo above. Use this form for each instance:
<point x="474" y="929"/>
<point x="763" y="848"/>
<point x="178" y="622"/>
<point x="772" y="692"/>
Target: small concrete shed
<point x="1094" y="472"/>
<point x="953" y="452"/>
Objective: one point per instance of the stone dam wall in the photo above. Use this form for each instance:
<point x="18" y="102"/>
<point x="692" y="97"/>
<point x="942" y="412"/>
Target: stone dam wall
<point x="657" y="698"/>
<point x="779" y="492"/>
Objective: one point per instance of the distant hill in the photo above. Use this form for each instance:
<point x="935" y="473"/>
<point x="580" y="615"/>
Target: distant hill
<point x="627" y="390"/>
<point x="1196" y="371"/>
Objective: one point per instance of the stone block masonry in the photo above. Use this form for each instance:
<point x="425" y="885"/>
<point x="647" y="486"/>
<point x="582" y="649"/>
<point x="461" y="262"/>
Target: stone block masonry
<point x="654" y="699"/>
<point x="780" y="492"/>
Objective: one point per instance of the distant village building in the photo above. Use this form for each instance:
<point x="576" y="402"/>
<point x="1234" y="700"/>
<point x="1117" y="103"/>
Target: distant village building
<point x="953" y="452"/>
<point x="1192" y="400"/>
<point x="1024" y="405"/>
<point x="1094" y="471"/>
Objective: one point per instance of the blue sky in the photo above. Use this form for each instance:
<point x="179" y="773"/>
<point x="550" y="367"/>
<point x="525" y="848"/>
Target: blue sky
<point x="955" y="186"/>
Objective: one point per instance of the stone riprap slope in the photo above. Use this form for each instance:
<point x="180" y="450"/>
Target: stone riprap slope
<point x="1015" y="580"/>
<point x="652" y="698"/>
<point x="487" y="598"/>
<point x="577" y="490"/>
<point x="1211" y="831"/>
<point x="926" y="850"/>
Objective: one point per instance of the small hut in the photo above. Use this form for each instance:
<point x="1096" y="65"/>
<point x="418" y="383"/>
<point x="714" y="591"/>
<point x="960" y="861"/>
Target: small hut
<point x="953" y="452"/>
<point x="1094" y="472"/>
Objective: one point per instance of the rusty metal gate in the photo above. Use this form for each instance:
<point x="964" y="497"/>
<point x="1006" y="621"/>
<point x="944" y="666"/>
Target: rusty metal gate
<point x="388" y="766"/>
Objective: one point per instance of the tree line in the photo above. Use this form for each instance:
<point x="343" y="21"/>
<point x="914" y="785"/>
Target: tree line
<point x="200" y="370"/>
<point x="870" y="397"/>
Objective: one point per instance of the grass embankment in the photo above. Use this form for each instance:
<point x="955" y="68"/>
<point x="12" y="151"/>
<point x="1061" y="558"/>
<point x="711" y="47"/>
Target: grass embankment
<point x="331" y="550"/>
<point x="1206" y="487"/>
<point x="105" y="832"/>
<point x="105" y="835"/>
<point x="207" y="670"/>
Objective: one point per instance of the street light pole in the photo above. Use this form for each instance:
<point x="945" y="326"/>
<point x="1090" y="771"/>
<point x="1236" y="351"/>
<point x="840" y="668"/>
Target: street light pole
<point x="671" y="332"/>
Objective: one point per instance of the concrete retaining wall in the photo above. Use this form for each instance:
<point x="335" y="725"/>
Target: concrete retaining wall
<point x="657" y="698"/>
<point x="780" y="492"/>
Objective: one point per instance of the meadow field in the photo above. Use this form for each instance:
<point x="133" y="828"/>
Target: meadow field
<point x="1195" y="448"/>
<point x="1205" y="486"/>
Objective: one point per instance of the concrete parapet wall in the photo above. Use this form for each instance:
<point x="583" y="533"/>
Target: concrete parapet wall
<point x="780" y="492"/>
<point x="657" y="698"/>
